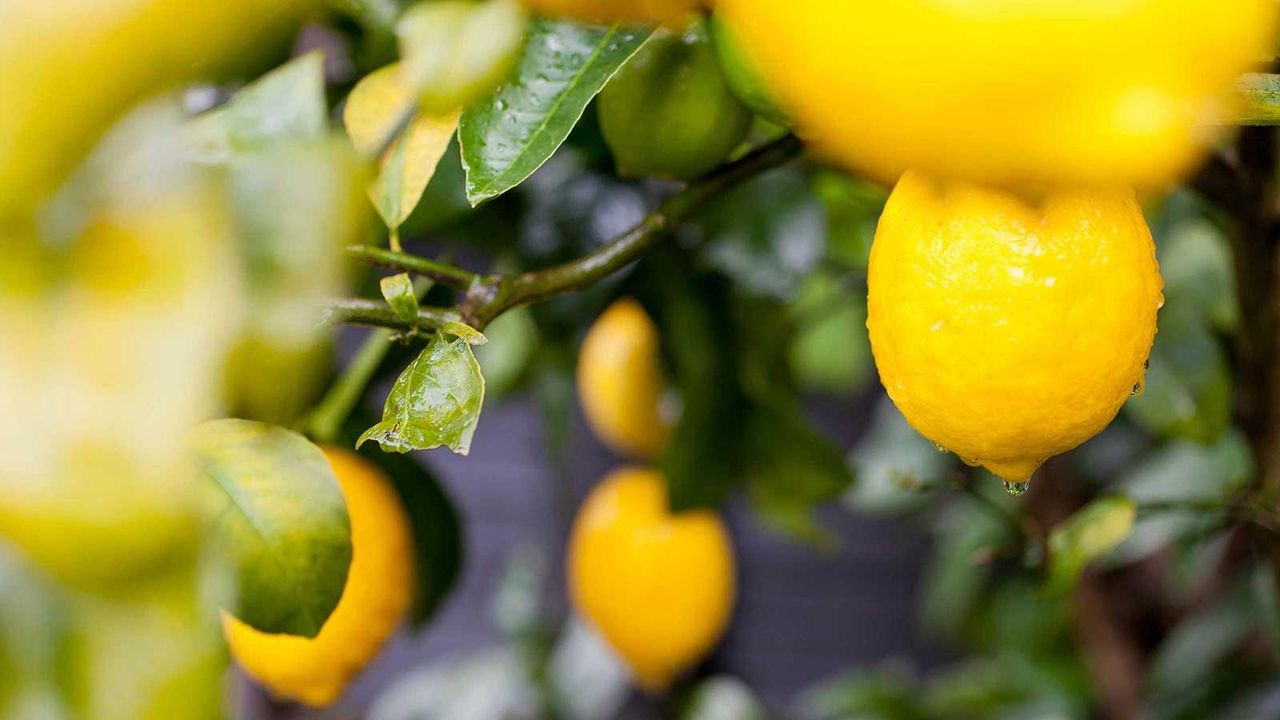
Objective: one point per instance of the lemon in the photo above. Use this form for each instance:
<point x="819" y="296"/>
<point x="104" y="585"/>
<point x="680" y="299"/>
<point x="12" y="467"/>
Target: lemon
<point x="620" y="381"/>
<point x="659" y="587"/>
<point x="670" y="12"/>
<point x="316" y="670"/>
<point x="1006" y="330"/>
<point x="669" y="112"/>
<point x="1007" y="91"/>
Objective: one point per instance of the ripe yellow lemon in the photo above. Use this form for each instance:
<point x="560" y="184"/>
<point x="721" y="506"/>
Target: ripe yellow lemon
<point x="659" y="587"/>
<point x="1007" y="91"/>
<point x="620" y="381"/>
<point x="1008" y="331"/>
<point x="379" y="586"/>
<point x="670" y="12"/>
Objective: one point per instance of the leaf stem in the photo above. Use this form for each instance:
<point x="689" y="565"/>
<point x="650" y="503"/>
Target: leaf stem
<point x="325" y="421"/>
<point x="443" y="273"/>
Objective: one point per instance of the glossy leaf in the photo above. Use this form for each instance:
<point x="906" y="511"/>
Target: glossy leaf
<point x="1091" y="532"/>
<point x="285" y="104"/>
<point x="398" y="291"/>
<point x="564" y="65"/>
<point x="436" y="401"/>
<point x="283" y="519"/>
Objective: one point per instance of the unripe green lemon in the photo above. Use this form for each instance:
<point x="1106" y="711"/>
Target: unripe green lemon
<point x="669" y="112"/>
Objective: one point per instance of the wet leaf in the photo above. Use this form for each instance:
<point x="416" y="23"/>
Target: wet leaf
<point x="281" y="516"/>
<point x="436" y="401"/>
<point x="1090" y="532"/>
<point x="398" y="291"/>
<point x="564" y="65"/>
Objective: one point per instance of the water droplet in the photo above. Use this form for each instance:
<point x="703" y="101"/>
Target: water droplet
<point x="1138" y="387"/>
<point x="1146" y="364"/>
<point x="939" y="447"/>
<point x="971" y="462"/>
<point x="1015" y="489"/>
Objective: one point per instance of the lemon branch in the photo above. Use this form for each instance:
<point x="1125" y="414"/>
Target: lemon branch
<point x="484" y="297"/>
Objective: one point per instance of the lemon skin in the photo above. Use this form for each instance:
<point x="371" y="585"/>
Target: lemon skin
<point x="316" y="671"/>
<point x="1008" y="92"/>
<point x="1008" y="330"/>
<point x="659" y="587"/>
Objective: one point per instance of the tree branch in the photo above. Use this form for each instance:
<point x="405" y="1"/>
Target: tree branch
<point x="376" y="313"/>
<point x="445" y="274"/>
<point x="488" y="296"/>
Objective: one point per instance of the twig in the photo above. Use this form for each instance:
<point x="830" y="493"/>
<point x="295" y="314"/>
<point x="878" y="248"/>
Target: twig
<point x="488" y="296"/>
<point x="443" y="273"/>
<point x="376" y="313"/>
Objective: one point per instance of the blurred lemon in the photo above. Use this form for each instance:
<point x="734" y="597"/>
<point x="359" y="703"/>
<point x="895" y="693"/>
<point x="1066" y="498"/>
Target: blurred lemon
<point x="378" y="593"/>
<point x="620" y="380"/>
<point x="1009" y="331"/>
<point x="659" y="587"/>
<point x="671" y="12"/>
<point x="83" y="63"/>
<point x="1008" y="91"/>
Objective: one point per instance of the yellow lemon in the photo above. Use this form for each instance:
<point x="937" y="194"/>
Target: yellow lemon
<point x="659" y="587"/>
<point x="1007" y="91"/>
<point x="670" y="12"/>
<point x="316" y="670"/>
<point x="1008" y="331"/>
<point x="620" y="380"/>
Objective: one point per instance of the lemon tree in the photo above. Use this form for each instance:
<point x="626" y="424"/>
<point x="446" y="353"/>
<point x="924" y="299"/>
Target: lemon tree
<point x="1005" y="269"/>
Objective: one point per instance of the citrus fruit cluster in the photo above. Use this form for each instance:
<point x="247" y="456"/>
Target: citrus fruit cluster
<point x="658" y="586"/>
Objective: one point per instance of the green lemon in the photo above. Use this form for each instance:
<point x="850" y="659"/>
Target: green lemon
<point x="743" y="74"/>
<point x="668" y="112"/>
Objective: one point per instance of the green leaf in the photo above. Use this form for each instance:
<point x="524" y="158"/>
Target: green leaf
<point x="564" y="65"/>
<point x="722" y="697"/>
<point x="830" y="351"/>
<point x="889" y="692"/>
<point x="895" y="466"/>
<point x="1090" y="532"/>
<point x="281" y="515"/>
<point x="791" y="468"/>
<point x="398" y="291"/>
<point x="436" y="401"/>
<point x="1185" y="659"/>
<point x="1188" y="381"/>
<point x="287" y="103"/>
<point x="702" y="462"/>
<point x="433" y="520"/>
